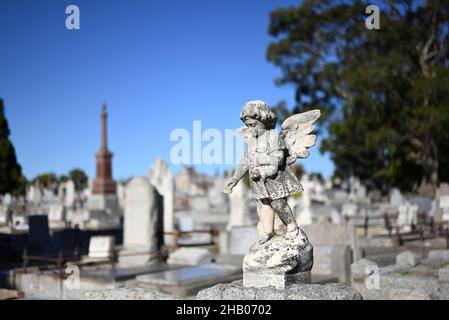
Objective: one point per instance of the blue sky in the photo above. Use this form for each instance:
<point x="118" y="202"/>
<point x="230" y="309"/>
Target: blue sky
<point x="159" y="65"/>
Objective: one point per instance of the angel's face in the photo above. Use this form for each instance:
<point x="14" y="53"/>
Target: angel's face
<point x="255" y="125"/>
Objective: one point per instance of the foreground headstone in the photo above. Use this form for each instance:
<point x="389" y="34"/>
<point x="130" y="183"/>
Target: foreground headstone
<point x="236" y="291"/>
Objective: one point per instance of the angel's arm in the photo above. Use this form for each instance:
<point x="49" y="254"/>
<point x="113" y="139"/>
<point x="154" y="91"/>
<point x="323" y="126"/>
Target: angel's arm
<point x="241" y="170"/>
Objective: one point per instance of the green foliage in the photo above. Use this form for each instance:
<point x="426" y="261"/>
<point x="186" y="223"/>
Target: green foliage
<point x="46" y="180"/>
<point x="383" y="93"/>
<point x="51" y="180"/>
<point x="11" y="177"/>
<point x="79" y="177"/>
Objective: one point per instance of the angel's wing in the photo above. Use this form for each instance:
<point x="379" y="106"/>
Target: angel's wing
<point x="296" y="133"/>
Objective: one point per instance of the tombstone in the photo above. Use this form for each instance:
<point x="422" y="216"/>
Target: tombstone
<point x="143" y="220"/>
<point x="349" y="209"/>
<point x="48" y="196"/>
<point x="190" y="256"/>
<point x="424" y="204"/>
<point x="67" y="193"/>
<point x="239" y="207"/>
<point x="396" y="198"/>
<point x="187" y="281"/>
<point x="357" y="191"/>
<point x="56" y="215"/>
<point x="161" y="178"/>
<point x="200" y="203"/>
<point x="334" y="249"/>
<point x="217" y="199"/>
<point x="443" y="205"/>
<point x="77" y="218"/>
<point x="375" y="195"/>
<point x="39" y="232"/>
<point x="185" y="222"/>
<point x="19" y="222"/>
<point x="34" y="194"/>
<point x="121" y="195"/>
<point x="335" y="216"/>
<point x="101" y="246"/>
<point x="408" y="216"/>
<point x="402" y="219"/>
<point x="238" y="240"/>
<point x="7" y="199"/>
<point x="4" y="211"/>
<point x="413" y="214"/>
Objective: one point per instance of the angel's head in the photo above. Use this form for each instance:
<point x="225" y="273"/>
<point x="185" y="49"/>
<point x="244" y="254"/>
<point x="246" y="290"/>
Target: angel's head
<point x="256" y="114"/>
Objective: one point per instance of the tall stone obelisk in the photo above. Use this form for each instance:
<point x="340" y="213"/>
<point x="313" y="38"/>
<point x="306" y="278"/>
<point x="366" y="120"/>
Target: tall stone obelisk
<point x="104" y="210"/>
<point x="103" y="183"/>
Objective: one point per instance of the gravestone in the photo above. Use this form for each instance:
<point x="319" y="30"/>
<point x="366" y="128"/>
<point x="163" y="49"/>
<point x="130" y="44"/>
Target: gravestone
<point x="56" y="215"/>
<point x="101" y="246"/>
<point x="396" y="198"/>
<point x="442" y="203"/>
<point x="335" y="247"/>
<point x="19" y="222"/>
<point x="408" y="216"/>
<point x="424" y="204"/>
<point x="161" y="178"/>
<point x="39" y="232"/>
<point x="239" y="207"/>
<point x="238" y="240"/>
<point x="34" y="194"/>
<point x="190" y="256"/>
<point x="199" y="204"/>
<point x="143" y="216"/>
<point x="217" y="199"/>
<point x="188" y="280"/>
<point x="7" y="199"/>
<point x="121" y="195"/>
<point x="185" y="222"/>
<point x="4" y="210"/>
<point x="349" y="209"/>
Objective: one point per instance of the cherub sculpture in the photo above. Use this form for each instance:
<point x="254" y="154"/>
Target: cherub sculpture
<point x="267" y="161"/>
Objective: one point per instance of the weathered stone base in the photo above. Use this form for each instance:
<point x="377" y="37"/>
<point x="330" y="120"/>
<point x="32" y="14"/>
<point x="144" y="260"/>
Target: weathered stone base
<point x="236" y="291"/>
<point x="279" y="281"/>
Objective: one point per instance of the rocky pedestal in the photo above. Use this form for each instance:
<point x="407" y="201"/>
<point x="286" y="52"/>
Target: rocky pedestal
<point x="300" y="291"/>
<point x="278" y="262"/>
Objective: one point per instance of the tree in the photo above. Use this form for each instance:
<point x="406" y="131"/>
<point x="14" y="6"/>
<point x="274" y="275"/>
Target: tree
<point x="47" y="180"/>
<point x="384" y="93"/>
<point x="79" y="177"/>
<point x="11" y="177"/>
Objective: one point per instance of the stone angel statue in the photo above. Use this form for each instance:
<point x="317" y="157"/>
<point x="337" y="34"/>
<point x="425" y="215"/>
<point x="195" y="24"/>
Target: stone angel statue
<point x="267" y="160"/>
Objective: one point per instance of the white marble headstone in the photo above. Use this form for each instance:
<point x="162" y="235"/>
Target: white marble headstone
<point x="140" y="215"/>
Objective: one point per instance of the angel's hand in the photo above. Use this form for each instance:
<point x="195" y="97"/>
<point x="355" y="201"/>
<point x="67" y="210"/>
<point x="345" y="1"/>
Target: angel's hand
<point x="255" y="173"/>
<point x="228" y="187"/>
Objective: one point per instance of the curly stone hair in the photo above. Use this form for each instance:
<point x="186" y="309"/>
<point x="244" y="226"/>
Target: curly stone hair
<point x="259" y="110"/>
